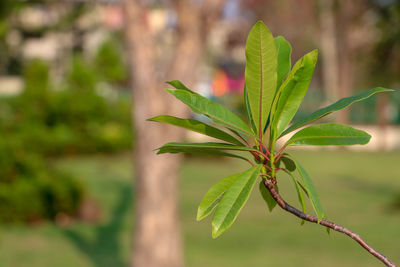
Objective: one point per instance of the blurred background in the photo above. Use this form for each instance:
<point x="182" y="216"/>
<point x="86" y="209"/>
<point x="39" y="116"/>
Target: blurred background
<point x="74" y="73"/>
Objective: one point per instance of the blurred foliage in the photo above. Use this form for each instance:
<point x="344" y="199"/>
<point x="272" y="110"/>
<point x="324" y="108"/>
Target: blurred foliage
<point x="109" y="63"/>
<point x="385" y="59"/>
<point x="85" y="114"/>
<point x="30" y="190"/>
<point x="396" y="203"/>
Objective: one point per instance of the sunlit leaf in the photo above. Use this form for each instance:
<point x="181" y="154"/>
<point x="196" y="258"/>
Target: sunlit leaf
<point x="260" y="73"/>
<point x="340" y="104"/>
<point x="208" y="147"/>
<point x="284" y="51"/>
<point x="329" y="134"/>
<point x="214" y="195"/>
<point x="233" y="201"/>
<point x="216" y="112"/>
<point x="293" y="91"/>
<point x="197" y="126"/>
<point x="179" y="85"/>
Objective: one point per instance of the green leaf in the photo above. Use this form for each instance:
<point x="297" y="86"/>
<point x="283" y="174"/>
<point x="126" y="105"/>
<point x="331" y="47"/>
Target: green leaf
<point x="223" y="154"/>
<point x="299" y="191"/>
<point x="208" y="146"/>
<point x="248" y="110"/>
<point x="233" y="201"/>
<point x="216" y="112"/>
<point x="311" y="191"/>
<point x="179" y="85"/>
<point x="289" y="164"/>
<point x="328" y="230"/>
<point x="340" y="104"/>
<point x="329" y="134"/>
<point x="284" y="50"/>
<point x="260" y="73"/>
<point x="214" y="195"/>
<point x="266" y="195"/>
<point x="197" y="126"/>
<point x="293" y="91"/>
<point x="178" y="148"/>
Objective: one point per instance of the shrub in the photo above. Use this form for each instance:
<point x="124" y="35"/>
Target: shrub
<point x="45" y="122"/>
<point x="29" y="190"/>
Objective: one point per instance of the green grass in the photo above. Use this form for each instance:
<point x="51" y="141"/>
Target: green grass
<point x="356" y="190"/>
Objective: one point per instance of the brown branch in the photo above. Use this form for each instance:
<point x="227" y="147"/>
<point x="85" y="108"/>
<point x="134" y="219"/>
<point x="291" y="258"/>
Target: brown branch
<point x="271" y="188"/>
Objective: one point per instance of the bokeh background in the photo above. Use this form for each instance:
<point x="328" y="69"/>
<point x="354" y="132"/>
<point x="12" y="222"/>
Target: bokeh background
<point x="66" y="132"/>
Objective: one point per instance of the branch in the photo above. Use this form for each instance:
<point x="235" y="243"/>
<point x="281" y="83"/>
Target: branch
<point x="271" y="188"/>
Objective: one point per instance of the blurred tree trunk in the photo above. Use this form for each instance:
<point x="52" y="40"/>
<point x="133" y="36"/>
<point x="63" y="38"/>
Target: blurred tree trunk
<point x="157" y="240"/>
<point x="383" y="123"/>
<point x="330" y="67"/>
<point x="347" y="10"/>
<point x="335" y="20"/>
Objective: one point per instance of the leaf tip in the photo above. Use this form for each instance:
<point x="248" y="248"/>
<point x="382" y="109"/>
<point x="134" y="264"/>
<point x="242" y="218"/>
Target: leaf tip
<point x="174" y="92"/>
<point x="217" y="230"/>
<point x="259" y="23"/>
<point x="199" y="216"/>
<point x="383" y="89"/>
<point x="215" y="233"/>
<point x="313" y="55"/>
<point x="152" y="118"/>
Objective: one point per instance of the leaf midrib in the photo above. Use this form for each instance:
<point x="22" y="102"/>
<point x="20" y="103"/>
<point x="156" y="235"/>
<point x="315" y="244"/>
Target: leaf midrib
<point x="324" y="113"/>
<point x="260" y="129"/>
<point x="224" y="122"/>
<point x="290" y="94"/>
<point x="236" y="201"/>
<point x="213" y="205"/>
<point x="327" y="136"/>
<point x="226" y="146"/>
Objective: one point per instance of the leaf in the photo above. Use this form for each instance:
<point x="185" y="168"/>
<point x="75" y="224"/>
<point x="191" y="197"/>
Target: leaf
<point x="338" y="105"/>
<point x="214" y="195"/>
<point x="216" y="112"/>
<point x="233" y="201"/>
<point x="293" y="91"/>
<point x="170" y="148"/>
<point x="329" y="134"/>
<point x="174" y="147"/>
<point x="179" y="85"/>
<point x="290" y="81"/>
<point x="197" y="126"/>
<point x="248" y="111"/>
<point x="284" y="50"/>
<point x="260" y="73"/>
<point x="311" y="191"/>
<point x="266" y="195"/>
<point x="299" y="192"/>
<point x="289" y="164"/>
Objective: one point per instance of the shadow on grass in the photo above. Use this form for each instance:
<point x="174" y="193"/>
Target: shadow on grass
<point x="104" y="249"/>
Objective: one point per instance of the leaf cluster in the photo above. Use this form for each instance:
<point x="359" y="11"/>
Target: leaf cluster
<point x="274" y="90"/>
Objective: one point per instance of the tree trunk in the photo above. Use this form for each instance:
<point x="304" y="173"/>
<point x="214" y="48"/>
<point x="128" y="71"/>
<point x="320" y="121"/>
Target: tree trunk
<point x="157" y="240"/>
<point x="383" y="123"/>
<point x="330" y="67"/>
<point x="346" y="57"/>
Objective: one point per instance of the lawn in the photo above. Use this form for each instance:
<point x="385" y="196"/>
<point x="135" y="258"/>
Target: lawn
<point x="357" y="190"/>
